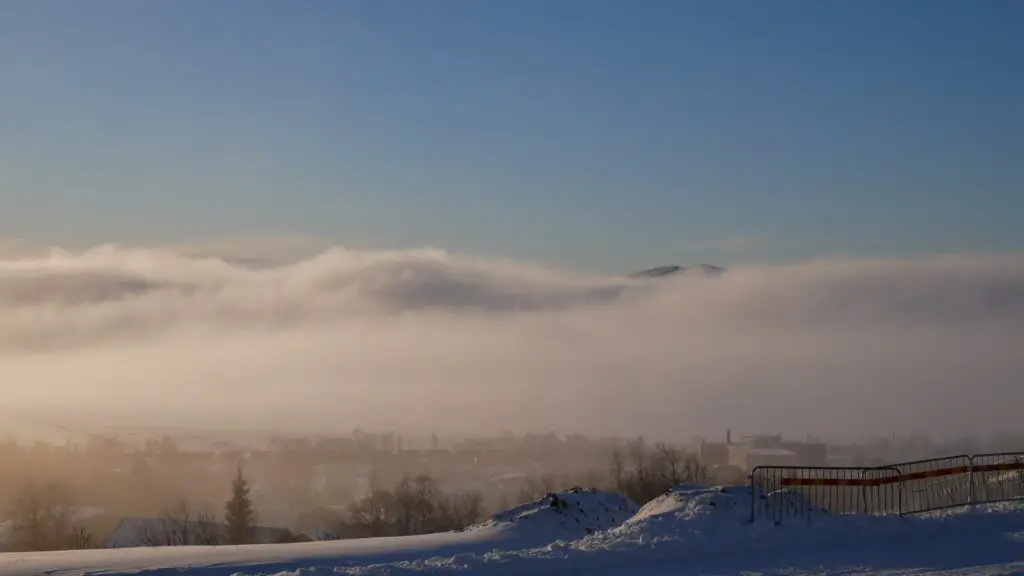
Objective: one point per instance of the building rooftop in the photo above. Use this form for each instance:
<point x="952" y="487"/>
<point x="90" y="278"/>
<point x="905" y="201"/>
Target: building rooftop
<point x="781" y="452"/>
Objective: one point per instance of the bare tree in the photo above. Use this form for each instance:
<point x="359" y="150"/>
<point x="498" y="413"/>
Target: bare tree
<point x="39" y="518"/>
<point x="465" y="509"/>
<point x="641" y="471"/>
<point x="182" y="525"/>
<point x="427" y="505"/>
<point x="694" y="471"/>
<point x="669" y="458"/>
<point x="206" y="531"/>
<point x="549" y="483"/>
<point x="403" y="511"/>
<point x="618" y="471"/>
<point x="537" y="487"/>
<point x="370" y="517"/>
<point x="591" y="479"/>
<point x="81" y="538"/>
<point x="327" y="532"/>
<point x="503" y="502"/>
<point x="416" y="505"/>
<point x="651" y="474"/>
<point x="176" y="523"/>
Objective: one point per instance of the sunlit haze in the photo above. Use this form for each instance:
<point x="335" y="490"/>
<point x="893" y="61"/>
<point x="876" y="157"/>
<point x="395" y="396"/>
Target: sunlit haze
<point x="365" y="286"/>
<point x="424" y="216"/>
<point x="425" y="340"/>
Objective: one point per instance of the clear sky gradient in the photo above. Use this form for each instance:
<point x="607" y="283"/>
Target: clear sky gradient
<point x="605" y="135"/>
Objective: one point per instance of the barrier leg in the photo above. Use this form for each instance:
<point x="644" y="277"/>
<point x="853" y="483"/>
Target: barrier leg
<point x="753" y="498"/>
<point x="970" y="481"/>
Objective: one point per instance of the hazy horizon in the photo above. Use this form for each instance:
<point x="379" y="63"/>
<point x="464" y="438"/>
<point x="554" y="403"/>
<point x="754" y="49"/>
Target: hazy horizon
<point x="425" y="339"/>
<point x="826" y="154"/>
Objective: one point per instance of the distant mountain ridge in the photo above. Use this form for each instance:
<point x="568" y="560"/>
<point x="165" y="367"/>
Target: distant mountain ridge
<point x="661" y="271"/>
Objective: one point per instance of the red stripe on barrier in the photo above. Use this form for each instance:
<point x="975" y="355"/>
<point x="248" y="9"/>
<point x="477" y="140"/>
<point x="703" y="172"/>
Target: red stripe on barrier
<point x="821" y="482"/>
<point x="1001" y="467"/>
<point x="872" y="482"/>
<point x="934" y="473"/>
<point x="922" y="475"/>
<point x="838" y="481"/>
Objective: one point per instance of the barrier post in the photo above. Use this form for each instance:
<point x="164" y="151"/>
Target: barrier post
<point x="899" y="497"/>
<point x="863" y="493"/>
<point x="970" y="480"/>
<point x="753" y="497"/>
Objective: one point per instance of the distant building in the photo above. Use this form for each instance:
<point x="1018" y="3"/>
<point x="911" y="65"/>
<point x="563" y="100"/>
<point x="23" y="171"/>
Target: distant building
<point x="713" y="454"/>
<point x="809" y="453"/>
<point x="726" y="474"/>
<point x="761" y="450"/>
<point x="747" y="458"/>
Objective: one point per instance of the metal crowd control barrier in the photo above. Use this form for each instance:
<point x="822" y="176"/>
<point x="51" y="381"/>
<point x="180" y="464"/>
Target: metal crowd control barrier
<point x="781" y="492"/>
<point x="935" y="484"/>
<point x="883" y="491"/>
<point x="997" y="477"/>
<point x="789" y="492"/>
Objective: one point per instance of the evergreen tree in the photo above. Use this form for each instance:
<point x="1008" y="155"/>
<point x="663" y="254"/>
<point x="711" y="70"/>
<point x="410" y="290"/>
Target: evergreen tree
<point x="238" y="513"/>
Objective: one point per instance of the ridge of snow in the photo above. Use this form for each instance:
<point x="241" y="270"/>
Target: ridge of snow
<point x="567" y="515"/>
<point x="695" y="513"/>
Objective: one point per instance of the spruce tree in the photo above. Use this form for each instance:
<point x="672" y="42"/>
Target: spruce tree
<point x="238" y="513"/>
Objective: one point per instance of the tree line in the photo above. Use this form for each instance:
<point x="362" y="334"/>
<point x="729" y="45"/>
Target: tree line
<point x="418" y="505"/>
<point x="42" y="516"/>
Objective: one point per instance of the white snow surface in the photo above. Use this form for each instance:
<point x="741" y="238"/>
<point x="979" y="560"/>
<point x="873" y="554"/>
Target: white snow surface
<point x="560" y="516"/>
<point x="690" y="530"/>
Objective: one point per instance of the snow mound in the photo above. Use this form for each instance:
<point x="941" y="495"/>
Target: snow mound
<point x="782" y="505"/>
<point x="684" y="507"/>
<point x="689" y="503"/>
<point x="565" y="515"/>
<point x="698" y="513"/>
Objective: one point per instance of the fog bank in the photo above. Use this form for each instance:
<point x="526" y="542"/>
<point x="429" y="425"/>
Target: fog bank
<point x="423" y="338"/>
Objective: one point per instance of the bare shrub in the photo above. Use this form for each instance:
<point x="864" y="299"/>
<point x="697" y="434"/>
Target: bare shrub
<point x="416" y="505"/>
<point x="648" y="473"/>
<point x="81" y="539"/>
<point x="181" y="524"/>
<point x="40" y="518"/>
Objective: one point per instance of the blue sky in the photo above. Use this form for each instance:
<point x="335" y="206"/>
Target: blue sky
<point x="602" y="135"/>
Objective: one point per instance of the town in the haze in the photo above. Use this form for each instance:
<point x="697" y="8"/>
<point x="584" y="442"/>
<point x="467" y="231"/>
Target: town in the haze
<point x="132" y="487"/>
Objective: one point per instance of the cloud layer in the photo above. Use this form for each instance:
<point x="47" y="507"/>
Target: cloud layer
<point x="423" y="338"/>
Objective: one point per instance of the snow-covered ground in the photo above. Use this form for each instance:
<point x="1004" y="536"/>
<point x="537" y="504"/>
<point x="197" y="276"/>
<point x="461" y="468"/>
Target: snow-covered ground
<point x="692" y="530"/>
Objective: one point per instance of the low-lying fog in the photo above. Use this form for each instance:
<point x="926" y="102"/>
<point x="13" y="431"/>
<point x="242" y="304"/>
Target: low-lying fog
<point x="424" y="339"/>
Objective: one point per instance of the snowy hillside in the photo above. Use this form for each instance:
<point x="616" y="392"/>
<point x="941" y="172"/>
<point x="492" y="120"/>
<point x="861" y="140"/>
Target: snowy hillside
<point x="691" y="530"/>
<point x="563" y="516"/>
<point x="686" y="511"/>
